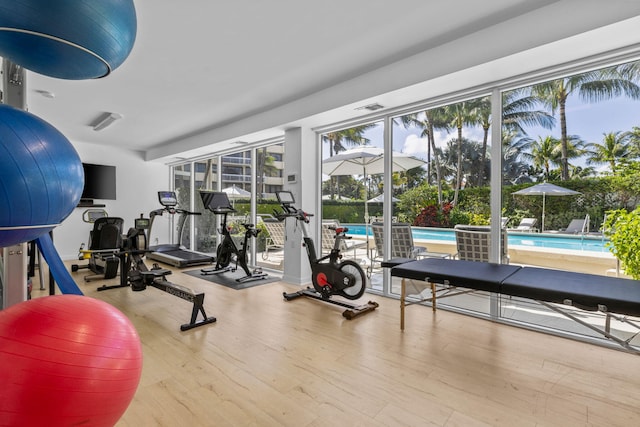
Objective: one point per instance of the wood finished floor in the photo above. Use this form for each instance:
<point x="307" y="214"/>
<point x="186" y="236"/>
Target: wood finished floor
<point x="267" y="362"/>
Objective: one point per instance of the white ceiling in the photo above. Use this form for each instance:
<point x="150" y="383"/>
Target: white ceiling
<point x="204" y="74"/>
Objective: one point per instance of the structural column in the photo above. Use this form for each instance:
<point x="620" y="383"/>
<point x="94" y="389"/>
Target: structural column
<point x="302" y="178"/>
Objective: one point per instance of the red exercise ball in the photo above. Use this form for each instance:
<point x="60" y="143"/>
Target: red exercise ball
<point x="66" y="360"/>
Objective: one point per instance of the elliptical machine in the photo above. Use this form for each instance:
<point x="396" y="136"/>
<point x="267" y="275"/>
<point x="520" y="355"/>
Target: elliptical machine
<point x="218" y="203"/>
<point x="330" y="275"/>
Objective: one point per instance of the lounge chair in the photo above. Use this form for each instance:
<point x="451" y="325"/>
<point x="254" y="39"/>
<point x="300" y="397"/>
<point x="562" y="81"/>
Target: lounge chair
<point x="402" y="245"/>
<point x="576" y="226"/>
<point x="526" y="225"/>
<point x="474" y="243"/>
<point x="275" y="238"/>
<point x="504" y="221"/>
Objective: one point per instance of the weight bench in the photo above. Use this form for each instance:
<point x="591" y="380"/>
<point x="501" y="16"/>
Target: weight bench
<point x="548" y="287"/>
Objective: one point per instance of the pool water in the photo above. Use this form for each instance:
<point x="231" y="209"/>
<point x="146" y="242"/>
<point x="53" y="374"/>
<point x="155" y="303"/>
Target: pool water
<point x="557" y="241"/>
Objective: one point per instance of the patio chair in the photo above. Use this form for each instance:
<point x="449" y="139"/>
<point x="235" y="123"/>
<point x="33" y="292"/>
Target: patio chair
<point x="526" y="225"/>
<point x="504" y="221"/>
<point x="474" y="243"/>
<point x="329" y="237"/>
<point x="402" y="245"/>
<point x="275" y="239"/>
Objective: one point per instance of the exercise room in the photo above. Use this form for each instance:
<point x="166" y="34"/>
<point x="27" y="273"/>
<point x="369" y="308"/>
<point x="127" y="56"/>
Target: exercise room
<point x="343" y="213"/>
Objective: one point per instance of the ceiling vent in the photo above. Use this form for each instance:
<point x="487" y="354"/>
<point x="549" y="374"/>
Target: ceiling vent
<point x="371" y="107"/>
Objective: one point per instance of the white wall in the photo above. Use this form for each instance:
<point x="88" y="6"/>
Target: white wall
<point x="137" y="186"/>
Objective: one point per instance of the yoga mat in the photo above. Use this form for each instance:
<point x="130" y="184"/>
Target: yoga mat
<point x="228" y="279"/>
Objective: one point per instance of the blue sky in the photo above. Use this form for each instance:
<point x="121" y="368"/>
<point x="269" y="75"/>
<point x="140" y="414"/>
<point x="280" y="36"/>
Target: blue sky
<point x="588" y="120"/>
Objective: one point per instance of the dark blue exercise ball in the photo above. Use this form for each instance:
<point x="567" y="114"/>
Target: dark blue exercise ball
<point x="41" y="176"/>
<point x="67" y="39"/>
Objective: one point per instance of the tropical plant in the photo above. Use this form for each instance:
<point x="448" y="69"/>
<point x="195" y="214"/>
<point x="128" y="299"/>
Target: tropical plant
<point x="428" y="121"/>
<point x="623" y="230"/>
<point x="459" y="115"/>
<point x="592" y="86"/>
<point x="615" y="147"/>
<point x="514" y="168"/>
<point x="626" y="183"/>
<point x="471" y="163"/>
<point x="264" y="168"/>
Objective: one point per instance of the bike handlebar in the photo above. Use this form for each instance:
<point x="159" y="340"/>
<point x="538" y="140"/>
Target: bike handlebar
<point x="298" y="214"/>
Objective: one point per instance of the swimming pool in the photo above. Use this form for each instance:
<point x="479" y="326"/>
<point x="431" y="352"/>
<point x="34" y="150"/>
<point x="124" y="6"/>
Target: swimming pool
<point x="557" y="241"/>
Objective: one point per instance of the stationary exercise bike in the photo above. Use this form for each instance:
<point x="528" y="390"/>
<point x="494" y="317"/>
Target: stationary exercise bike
<point x="218" y="203"/>
<point x="330" y="275"/>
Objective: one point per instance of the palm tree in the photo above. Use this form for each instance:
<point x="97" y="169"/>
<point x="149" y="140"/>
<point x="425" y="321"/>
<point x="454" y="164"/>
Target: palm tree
<point x="461" y="114"/>
<point x="429" y="121"/>
<point x="592" y="86"/>
<point x="264" y="168"/>
<point x="634" y="141"/>
<point x="614" y="148"/>
<point x="543" y="153"/>
<point x="339" y="140"/>
<point x="547" y="151"/>
<point x="518" y="110"/>
<point x="514" y="147"/>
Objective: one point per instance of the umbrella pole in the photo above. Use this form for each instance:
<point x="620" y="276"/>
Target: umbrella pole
<point x="543" y="207"/>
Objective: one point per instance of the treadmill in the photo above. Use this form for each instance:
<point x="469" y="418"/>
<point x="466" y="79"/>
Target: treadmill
<point x="175" y="254"/>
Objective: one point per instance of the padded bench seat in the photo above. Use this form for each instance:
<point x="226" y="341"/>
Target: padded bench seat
<point x="584" y="291"/>
<point x="481" y="276"/>
<point x="548" y="287"/>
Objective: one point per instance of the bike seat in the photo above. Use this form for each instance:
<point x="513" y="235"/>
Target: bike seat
<point x="249" y="226"/>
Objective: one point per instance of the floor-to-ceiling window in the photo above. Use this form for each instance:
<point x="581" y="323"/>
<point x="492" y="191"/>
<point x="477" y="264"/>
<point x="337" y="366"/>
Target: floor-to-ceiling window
<point x="579" y="133"/>
<point x="233" y="174"/>
<point x="453" y="185"/>
<point x="352" y="169"/>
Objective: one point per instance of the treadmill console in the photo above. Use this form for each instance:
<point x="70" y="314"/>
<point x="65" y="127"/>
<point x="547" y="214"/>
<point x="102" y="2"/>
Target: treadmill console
<point x="167" y="198"/>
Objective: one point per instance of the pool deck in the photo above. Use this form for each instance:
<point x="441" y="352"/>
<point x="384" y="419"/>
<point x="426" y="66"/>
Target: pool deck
<point x="602" y="263"/>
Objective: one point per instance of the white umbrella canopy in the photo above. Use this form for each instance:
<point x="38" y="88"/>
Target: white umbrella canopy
<point x="545" y="189"/>
<point x="380" y="198"/>
<point x="343" y="198"/>
<point x="365" y="160"/>
<point x="236" y="192"/>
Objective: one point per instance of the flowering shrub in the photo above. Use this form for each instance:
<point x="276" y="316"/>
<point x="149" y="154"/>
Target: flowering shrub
<point x="432" y="216"/>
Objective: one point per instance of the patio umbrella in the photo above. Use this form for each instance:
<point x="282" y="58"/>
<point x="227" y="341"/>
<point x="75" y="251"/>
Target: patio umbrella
<point x="545" y="189"/>
<point x="380" y="198"/>
<point x="365" y="160"/>
<point x="234" y="193"/>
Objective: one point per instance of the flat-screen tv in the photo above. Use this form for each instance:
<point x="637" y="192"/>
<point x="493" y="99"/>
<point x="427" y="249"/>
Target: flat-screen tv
<point x="99" y="182"/>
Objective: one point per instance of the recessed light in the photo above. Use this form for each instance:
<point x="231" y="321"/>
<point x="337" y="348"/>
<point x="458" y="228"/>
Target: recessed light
<point x="105" y="119"/>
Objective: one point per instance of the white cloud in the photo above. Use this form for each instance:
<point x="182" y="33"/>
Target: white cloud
<point x="415" y="146"/>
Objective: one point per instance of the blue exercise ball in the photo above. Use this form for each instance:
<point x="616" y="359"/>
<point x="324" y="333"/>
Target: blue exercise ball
<point x="41" y="176"/>
<point x="67" y="39"/>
